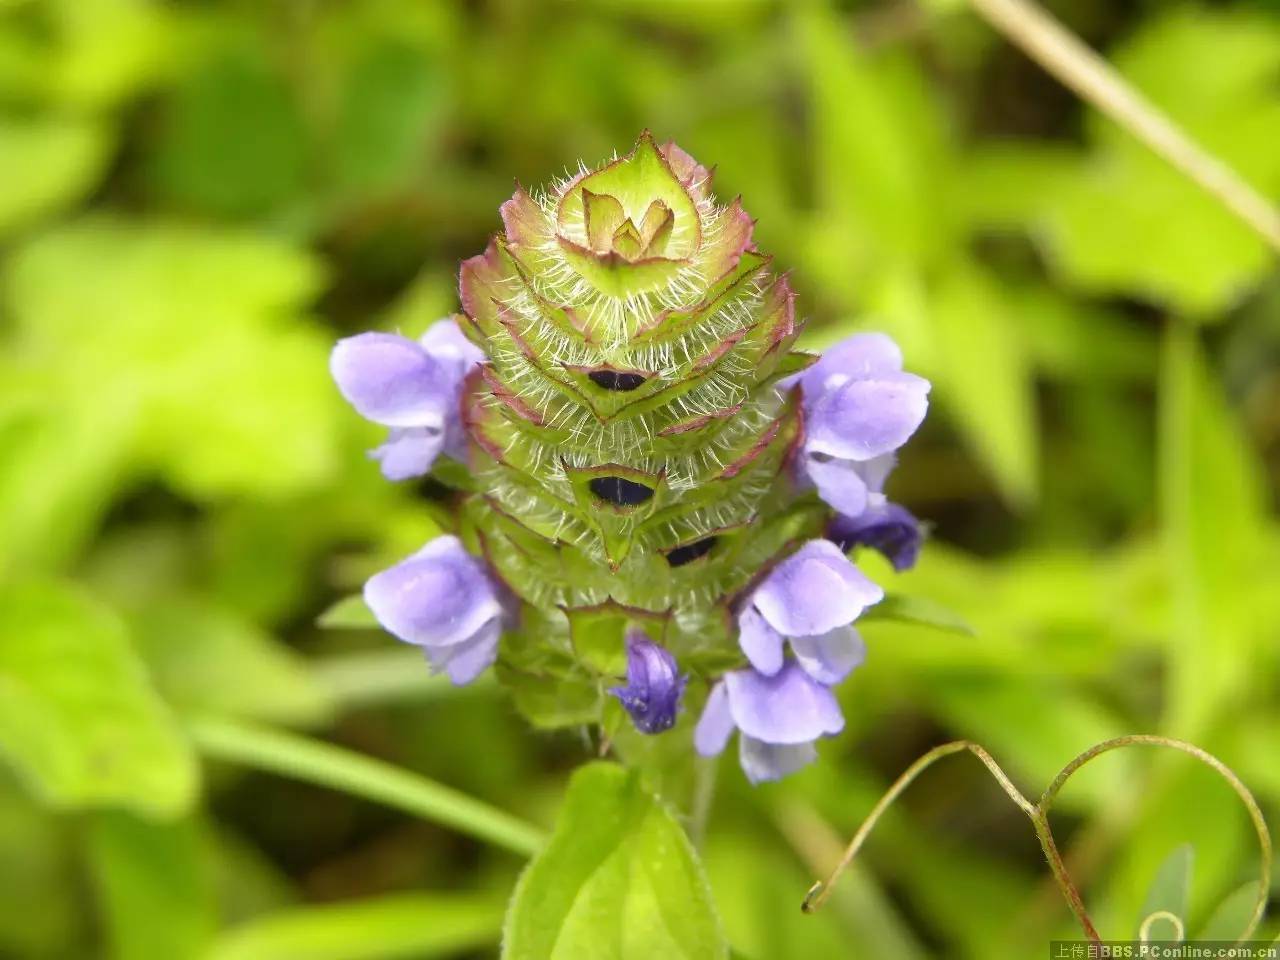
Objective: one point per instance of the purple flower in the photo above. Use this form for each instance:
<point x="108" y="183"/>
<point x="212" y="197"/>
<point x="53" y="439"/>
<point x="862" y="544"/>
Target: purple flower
<point x="443" y="600"/>
<point x="779" y="718"/>
<point x="654" y="685"/>
<point x="811" y="599"/>
<point x="887" y="527"/>
<point x="412" y="386"/>
<point x="859" y="407"/>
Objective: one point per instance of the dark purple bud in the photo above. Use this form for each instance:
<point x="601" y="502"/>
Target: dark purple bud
<point x="654" y="685"/>
<point x="888" y="528"/>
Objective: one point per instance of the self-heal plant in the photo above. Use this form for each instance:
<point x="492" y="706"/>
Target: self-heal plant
<point x="650" y="468"/>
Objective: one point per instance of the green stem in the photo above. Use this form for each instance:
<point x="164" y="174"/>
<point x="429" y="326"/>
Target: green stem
<point x="313" y="761"/>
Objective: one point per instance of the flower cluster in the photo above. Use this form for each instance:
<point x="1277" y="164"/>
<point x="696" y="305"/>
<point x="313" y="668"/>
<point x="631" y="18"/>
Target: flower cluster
<point x="636" y="443"/>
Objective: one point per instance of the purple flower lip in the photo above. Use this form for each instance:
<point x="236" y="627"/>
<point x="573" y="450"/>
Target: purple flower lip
<point x="810" y="600"/>
<point x="859" y="408"/>
<point x="778" y="718"/>
<point x="654" y="685"/>
<point x="442" y="600"/>
<point x="888" y="528"/>
<point x="412" y="386"/>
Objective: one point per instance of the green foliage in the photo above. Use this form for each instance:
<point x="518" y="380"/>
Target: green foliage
<point x="421" y="926"/>
<point x="155" y="870"/>
<point x="619" y="880"/>
<point x="1211" y="495"/>
<point x="79" y="719"/>
<point x="1169" y="893"/>
<point x="1122" y="220"/>
<point x="56" y="161"/>
<point x="199" y="198"/>
<point x="207" y="659"/>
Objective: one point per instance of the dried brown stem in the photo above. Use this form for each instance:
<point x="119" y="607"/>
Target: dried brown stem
<point x="1038" y="814"/>
<point x="1067" y="58"/>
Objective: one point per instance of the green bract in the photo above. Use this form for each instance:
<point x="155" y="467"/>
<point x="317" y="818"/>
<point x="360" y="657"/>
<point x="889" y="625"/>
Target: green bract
<point x="628" y="436"/>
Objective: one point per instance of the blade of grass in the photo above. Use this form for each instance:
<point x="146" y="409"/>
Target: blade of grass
<point x="419" y="925"/>
<point x="324" y="764"/>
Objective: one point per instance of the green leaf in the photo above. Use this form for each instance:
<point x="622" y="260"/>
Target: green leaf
<point x="79" y="719"/>
<point x="392" y="104"/>
<point x="58" y="469"/>
<point x="42" y="916"/>
<point x="1169" y="893"/>
<point x="154" y="885"/>
<point x="877" y="150"/>
<point x="1186" y="803"/>
<point x="104" y="50"/>
<point x="56" y="161"/>
<point x="396" y="927"/>
<point x="327" y="765"/>
<point x="1213" y="511"/>
<point x="618" y="881"/>
<point x="206" y="658"/>
<point x="1127" y="222"/>
<point x="192" y="340"/>
<point x="1035" y="727"/>
<point x="921" y="611"/>
<point x="985" y="379"/>
<point x="232" y="141"/>
<point x="1232" y="916"/>
<point x="755" y="883"/>
<point x="349" y="613"/>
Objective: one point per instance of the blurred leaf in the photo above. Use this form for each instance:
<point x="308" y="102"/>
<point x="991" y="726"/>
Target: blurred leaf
<point x="985" y="378"/>
<point x="58" y="469"/>
<point x="349" y="613"/>
<point x="1004" y="183"/>
<point x="78" y="717"/>
<point x="619" y="880"/>
<point x="191" y="338"/>
<point x="1033" y="729"/>
<point x="1126" y="222"/>
<point x="410" y="926"/>
<point x="391" y="104"/>
<point x="958" y="888"/>
<point x="921" y="611"/>
<point x="233" y="141"/>
<point x="757" y="889"/>
<point x="205" y="658"/>
<point x="1177" y="801"/>
<point x="247" y="883"/>
<point x="104" y="50"/>
<point x="877" y="146"/>
<point x="50" y="164"/>
<point x="41" y="915"/>
<point x="154" y="885"/>
<point x="1169" y="892"/>
<point x="1232" y="916"/>
<point x="390" y="673"/>
<point x="1213" y="512"/>
<point x="1063" y="337"/>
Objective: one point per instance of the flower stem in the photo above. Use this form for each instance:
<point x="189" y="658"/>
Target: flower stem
<point x="312" y="761"/>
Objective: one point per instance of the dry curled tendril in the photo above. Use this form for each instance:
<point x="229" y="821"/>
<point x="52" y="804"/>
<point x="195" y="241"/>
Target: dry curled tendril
<point x="1038" y="813"/>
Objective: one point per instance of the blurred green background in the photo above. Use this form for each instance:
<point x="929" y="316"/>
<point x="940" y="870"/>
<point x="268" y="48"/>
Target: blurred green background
<point x="197" y="198"/>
